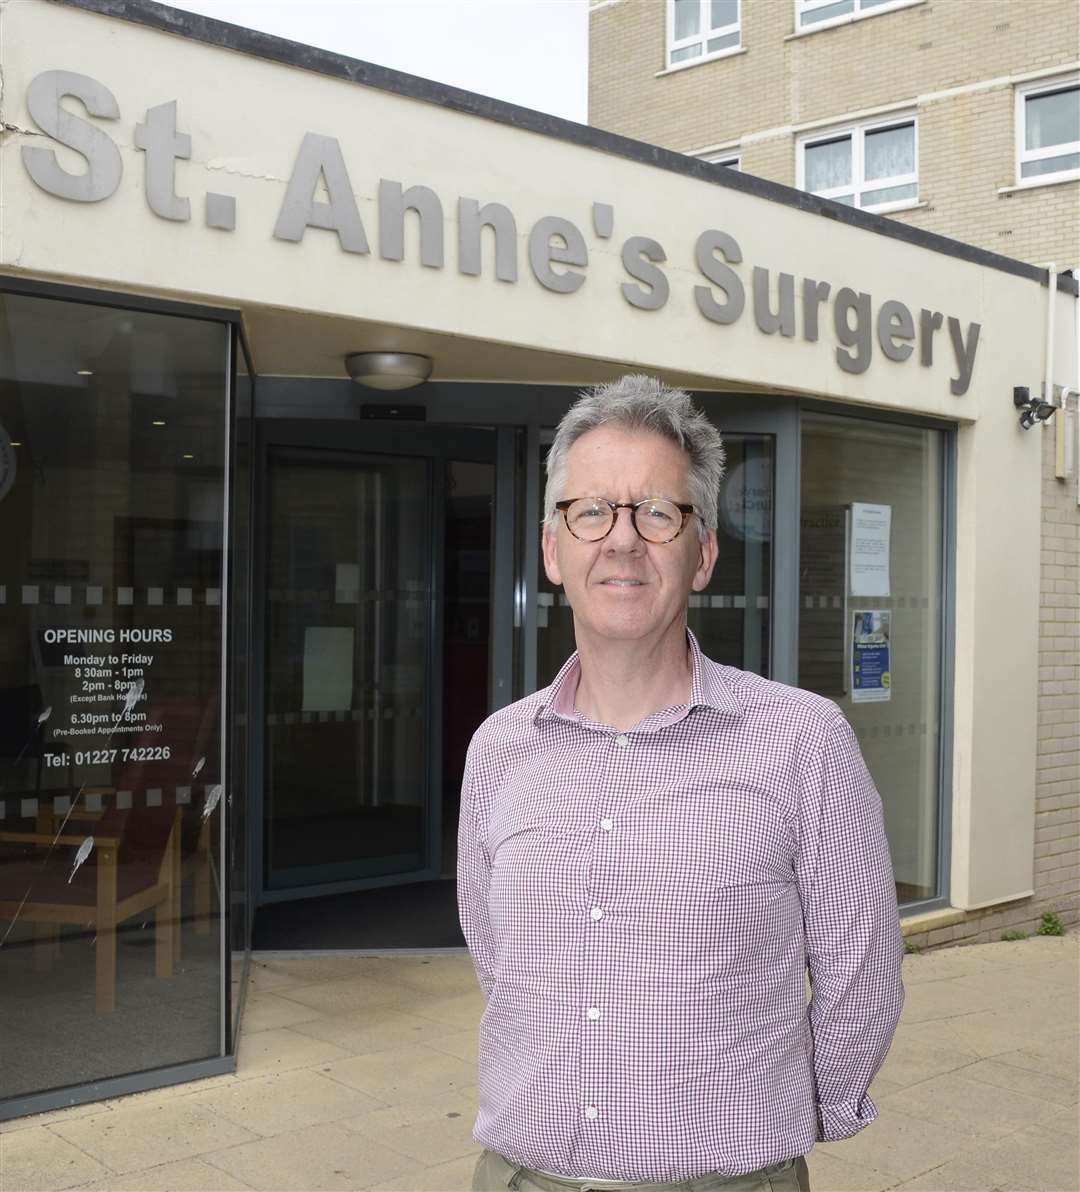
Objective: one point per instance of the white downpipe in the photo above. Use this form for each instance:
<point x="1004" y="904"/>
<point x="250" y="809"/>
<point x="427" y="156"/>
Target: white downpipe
<point x="1048" y="377"/>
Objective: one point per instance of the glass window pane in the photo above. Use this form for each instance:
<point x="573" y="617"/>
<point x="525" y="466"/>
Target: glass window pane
<point x="890" y="152"/>
<point x="348" y="667"/>
<point x="1050" y="165"/>
<point x="889" y="194"/>
<point x="1053" y="119"/>
<point x="839" y="9"/>
<point x="828" y="164"/>
<point x="724" y="12"/>
<point x="874" y="3"/>
<point x="727" y="42"/>
<point x="111" y="562"/>
<point x="687" y="18"/>
<point x="878" y="656"/>
<point x="847" y="200"/>
<point x="686" y="53"/>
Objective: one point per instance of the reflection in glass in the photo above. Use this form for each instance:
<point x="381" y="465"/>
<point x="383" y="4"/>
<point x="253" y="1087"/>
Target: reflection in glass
<point x="1052" y="119"/>
<point x="846" y="461"/>
<point x="828" y="164"/>
<point x="348" y="691"/>
<point x="240" y="532"/>
<point x="111" y="597"/>
<point x="890" y="152"/>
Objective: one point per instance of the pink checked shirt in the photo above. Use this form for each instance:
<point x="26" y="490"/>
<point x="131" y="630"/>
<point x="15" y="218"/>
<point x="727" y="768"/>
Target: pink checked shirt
<point x="641" y="908"/>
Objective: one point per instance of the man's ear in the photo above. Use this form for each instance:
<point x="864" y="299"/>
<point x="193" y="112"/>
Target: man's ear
<point x="549" y="542"/>
<point x="706" y="562"/>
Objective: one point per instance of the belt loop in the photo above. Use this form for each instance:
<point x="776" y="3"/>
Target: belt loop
<point x="514" y="1182"/>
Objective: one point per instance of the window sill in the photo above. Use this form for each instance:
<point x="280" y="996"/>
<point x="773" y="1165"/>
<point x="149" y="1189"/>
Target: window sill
<point x="732" y="53"/>
<point x="1039" y="183"/>
<point x="896" y="208"/>
<point x="850" y="19"/>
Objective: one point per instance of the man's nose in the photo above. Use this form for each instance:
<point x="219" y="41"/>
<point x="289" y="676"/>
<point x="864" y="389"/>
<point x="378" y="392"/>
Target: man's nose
<point x="623" y="536"/>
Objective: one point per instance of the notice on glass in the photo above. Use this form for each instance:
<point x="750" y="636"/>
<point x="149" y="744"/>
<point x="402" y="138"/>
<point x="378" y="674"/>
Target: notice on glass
<point x="328" y="669"/>
<point x="871" y="634"/>
<point x="868" y="566"/>
<point x="106" y="696"/>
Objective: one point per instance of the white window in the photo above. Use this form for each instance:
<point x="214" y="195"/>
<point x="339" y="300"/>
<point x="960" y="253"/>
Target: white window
<point x="732" y="160"/>
<point x="700" y="29"/>
<point x="872" y="166"/>
<point x="812" y="14"/>
<point x="1048" y="131"/>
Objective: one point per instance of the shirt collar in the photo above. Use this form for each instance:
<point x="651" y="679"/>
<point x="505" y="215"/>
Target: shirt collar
<point x="708" y="687"/>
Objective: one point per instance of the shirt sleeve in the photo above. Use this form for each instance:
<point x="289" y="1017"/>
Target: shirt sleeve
<point x="473" y="882"/>
<point x="854" y="944"/>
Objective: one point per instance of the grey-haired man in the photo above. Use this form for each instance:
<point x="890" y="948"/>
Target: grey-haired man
<point x="654" y="850"/>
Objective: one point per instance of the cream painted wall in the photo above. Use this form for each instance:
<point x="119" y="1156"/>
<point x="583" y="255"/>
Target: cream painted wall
<point x="246" y="119"/>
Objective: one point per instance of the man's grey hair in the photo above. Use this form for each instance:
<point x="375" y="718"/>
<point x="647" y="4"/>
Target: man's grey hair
<point x="636" y="402"/>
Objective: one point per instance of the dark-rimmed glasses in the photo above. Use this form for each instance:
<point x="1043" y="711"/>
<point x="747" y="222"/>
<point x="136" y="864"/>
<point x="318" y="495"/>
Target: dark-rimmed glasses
<point x="656" y="519"/>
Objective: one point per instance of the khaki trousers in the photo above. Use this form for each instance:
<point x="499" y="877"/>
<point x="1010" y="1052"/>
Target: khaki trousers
<point x="495" y="1174"/>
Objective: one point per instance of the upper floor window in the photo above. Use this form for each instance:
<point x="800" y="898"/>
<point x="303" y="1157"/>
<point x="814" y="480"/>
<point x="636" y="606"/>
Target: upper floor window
<point x="699" y="29"/>
<point x="1048" y="131"/>
<point x="872" y="166"/>
<point x="811" y="14"/>
<point x="732" y="160"/>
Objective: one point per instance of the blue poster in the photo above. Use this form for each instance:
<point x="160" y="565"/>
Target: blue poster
<point x="870" y="646"/>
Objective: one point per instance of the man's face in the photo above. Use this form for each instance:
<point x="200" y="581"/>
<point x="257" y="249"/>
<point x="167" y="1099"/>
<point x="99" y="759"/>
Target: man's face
<point x="623" y="588"/>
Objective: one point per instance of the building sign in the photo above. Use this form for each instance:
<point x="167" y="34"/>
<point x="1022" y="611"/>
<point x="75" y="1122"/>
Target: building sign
<point x="320" y="194"/>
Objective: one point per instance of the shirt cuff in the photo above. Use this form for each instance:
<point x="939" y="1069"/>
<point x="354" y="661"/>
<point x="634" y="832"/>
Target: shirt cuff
<point x="844" y="1119"/>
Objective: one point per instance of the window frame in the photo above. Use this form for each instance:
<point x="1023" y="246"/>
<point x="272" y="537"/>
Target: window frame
<point x="857" y="131"/>
<point x="1022" y="155"/>
<point x="733" y="161"/>
<point x="705" y="32"/>
<point x="802" y="7"/>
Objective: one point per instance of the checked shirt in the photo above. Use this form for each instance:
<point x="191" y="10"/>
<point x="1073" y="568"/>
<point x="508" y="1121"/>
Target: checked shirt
<point x="642" y="908"/>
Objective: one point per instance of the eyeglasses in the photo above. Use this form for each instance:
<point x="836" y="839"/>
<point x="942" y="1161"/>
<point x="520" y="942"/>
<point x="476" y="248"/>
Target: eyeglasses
<point x="656" y="519"/>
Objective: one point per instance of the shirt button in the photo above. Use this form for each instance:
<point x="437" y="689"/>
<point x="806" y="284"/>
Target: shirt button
<point x="591" y="1112"/>
<point x="622" y="739"/>
<point x="607" y="824"/>
<point x="596" y="913"/>
<point x="593" y="1013"/>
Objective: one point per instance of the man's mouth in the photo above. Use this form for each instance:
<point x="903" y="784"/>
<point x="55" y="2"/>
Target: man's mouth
<point x="623" y="583"/>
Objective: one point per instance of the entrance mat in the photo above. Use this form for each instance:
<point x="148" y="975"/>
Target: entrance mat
<point x="419" y="915"/>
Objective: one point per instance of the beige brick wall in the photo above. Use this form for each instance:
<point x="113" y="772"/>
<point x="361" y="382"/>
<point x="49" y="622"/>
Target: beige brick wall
<point x="966" y="159"/>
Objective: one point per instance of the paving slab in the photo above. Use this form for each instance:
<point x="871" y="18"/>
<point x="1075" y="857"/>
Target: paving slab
<point x="326" y="1158"/>
<point x="284" y="1102"/>
<point x="36" y="1160"/>
<point x="186" y="1175"/>
<point x="148" y="1135"/>
<point x="981" y="1110"/>
<point x="377" y="1029"/>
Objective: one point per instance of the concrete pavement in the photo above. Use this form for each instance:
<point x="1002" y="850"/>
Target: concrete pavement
<point x="359" y="1073"/>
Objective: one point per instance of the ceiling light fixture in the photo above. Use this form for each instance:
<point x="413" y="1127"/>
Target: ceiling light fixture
<point x="158" y="422"/>
<point x="388" y="370"/>
<point x="84" y="372"/>
<point x="186" y="456"/>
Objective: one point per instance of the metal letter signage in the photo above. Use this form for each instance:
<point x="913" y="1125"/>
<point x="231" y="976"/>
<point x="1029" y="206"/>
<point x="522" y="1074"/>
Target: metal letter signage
<point x="857" y="321"/>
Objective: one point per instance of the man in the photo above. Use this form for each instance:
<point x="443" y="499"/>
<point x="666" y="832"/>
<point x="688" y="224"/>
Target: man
<point x="654" y="849"/>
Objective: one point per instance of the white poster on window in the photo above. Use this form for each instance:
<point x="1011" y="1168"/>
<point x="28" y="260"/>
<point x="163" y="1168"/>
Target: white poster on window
<point x="869" y="561"/>
<point x="328" y="669"/>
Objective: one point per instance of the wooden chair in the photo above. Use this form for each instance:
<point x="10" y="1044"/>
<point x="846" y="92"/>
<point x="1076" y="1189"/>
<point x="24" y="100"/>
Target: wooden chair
<point x="134" y="867"/>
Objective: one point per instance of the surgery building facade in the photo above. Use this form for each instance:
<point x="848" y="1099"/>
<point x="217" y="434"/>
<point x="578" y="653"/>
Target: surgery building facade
<point x="252" y="610"/>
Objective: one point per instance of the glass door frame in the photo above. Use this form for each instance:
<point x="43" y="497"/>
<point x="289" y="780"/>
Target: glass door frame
<point x="314" y="441"/>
